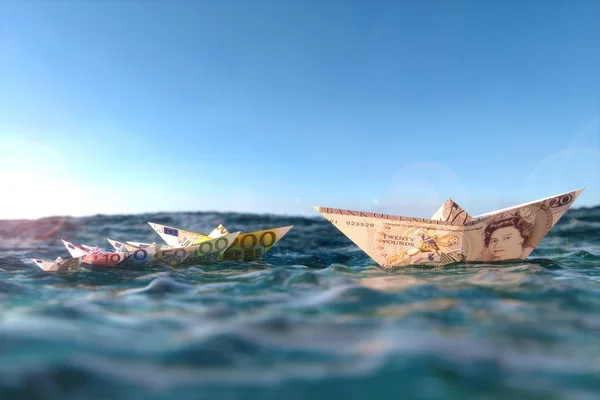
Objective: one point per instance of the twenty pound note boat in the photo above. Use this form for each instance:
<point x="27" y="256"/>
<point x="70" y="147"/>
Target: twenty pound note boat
<point x="451" y="235"/>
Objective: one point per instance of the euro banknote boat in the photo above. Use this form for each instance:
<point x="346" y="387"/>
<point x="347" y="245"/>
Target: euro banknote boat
<point x="57" y="265"/>
<point x="451" y="235"/>
<point x="246" y="247"/>
<point x="182" y="247"/>
<point x="208" y="251"/>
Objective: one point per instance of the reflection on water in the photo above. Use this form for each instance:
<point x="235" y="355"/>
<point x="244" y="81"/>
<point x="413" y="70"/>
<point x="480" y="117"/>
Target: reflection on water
<point x="391" y="283"/>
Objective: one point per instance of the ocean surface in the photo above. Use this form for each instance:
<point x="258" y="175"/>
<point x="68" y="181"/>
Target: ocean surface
<point x="314" y="319"/>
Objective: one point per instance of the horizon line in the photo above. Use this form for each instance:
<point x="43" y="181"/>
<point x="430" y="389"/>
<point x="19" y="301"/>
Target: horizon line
<point x="204" y="212"/>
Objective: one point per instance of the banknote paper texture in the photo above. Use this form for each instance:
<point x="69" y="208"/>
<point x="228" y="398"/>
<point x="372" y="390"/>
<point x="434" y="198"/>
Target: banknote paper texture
<point x="246" y="247"/>
<point x="57" y="265"/>
<point x="182" y="247"/>
<point x="451" y="235"/>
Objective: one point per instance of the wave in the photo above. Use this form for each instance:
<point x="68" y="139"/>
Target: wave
<point x="315" y="318"/>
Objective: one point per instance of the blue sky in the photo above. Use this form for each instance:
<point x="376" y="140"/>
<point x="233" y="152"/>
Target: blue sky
<point x="272" y="106"/>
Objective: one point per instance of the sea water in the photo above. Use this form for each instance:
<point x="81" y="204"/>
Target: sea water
<point x="316" y="318"/>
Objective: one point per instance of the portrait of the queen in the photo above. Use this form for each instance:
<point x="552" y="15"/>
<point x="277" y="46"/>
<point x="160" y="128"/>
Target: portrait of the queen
<point x="507" y="236"/>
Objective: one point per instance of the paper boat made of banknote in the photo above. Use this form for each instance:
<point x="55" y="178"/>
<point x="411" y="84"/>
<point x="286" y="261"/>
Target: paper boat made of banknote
<point x="451" y="235"/>
<point x="182" y="247"/>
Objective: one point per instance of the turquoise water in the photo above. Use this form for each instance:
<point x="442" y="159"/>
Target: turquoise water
<point x="316" y="318"/>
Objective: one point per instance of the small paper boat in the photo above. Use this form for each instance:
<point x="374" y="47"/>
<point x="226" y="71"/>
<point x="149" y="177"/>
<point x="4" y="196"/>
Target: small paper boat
<point x="247" y="246"/>
<point x="208" y="250"/>
<point x="451" y="235"/>
<point x="57" y="265"/>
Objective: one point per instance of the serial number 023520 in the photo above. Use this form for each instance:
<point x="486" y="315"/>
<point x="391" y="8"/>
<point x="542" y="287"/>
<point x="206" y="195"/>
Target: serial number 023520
<point x="354" y="223"/>
<point x="357" y="223"/>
